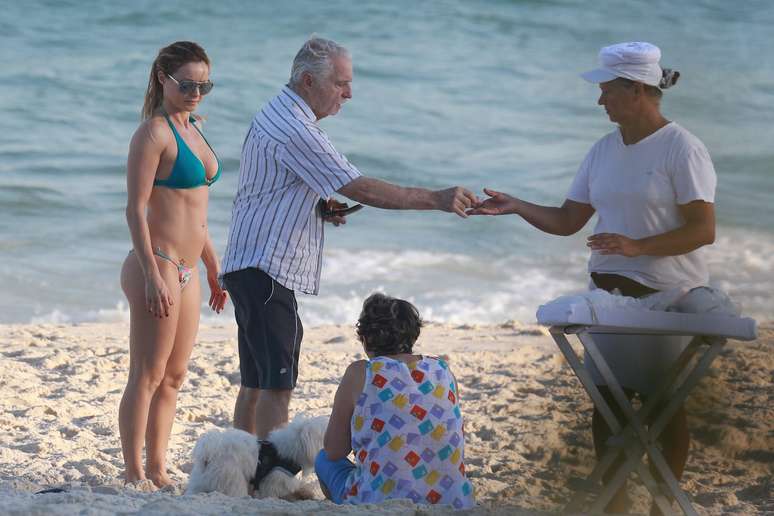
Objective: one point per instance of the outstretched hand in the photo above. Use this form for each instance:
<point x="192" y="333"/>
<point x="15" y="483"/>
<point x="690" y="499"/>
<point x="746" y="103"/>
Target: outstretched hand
<point x="498" y="204"/>
<point x="457" y="199"/>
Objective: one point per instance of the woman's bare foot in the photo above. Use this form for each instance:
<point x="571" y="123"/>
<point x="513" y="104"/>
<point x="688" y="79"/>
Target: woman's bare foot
<point x="159" y="478"/>
<point x="143" y="485"/>
<point x="133" y="477"/>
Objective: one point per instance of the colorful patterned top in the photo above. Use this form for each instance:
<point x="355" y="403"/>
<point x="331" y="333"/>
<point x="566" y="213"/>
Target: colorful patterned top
<point x="407" y="436"/>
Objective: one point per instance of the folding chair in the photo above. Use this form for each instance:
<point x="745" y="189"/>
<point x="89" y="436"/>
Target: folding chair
<point x="633" y="439"/>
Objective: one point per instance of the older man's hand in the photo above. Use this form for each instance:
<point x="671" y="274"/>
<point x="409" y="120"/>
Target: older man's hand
<point x="456" y="199"/>
<point x="329" y="206"/>
<point x="498" y="203"/>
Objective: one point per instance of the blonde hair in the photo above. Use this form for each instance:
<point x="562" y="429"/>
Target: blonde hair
<point x="168" y="61"/>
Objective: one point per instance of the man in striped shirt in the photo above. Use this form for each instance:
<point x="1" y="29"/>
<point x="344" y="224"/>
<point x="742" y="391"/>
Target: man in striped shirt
<point x="276" y="235"/>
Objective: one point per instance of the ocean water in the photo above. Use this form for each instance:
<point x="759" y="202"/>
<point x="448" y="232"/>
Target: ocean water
<point x="445" y="93"/>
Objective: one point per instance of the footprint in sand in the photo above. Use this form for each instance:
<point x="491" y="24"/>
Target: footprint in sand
<point x="486" y="434"/>
<point x="108" y="490"/>
<point x="69" y="431"/>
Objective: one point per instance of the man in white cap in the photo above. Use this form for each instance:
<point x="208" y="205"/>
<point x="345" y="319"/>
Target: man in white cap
<point x="636" y="61"/>
<point x="652" y="185"/>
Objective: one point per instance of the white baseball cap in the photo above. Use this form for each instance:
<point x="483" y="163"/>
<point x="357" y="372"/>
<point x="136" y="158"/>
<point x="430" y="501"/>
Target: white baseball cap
<point x="636" y="61"/>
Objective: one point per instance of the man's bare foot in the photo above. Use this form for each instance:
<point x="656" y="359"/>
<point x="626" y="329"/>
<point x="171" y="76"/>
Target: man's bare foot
<point x="654" y="510"/>
<point x="620" y="503"/>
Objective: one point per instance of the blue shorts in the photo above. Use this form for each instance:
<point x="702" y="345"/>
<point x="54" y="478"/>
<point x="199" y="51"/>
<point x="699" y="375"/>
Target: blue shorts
<point x="333" y="474"/>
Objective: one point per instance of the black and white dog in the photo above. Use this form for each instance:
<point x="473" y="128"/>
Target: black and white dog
<point x="236" y="463"/>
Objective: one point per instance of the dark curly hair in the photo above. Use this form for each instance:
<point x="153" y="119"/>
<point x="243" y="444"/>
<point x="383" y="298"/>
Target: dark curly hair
<point x="387" y="325"/>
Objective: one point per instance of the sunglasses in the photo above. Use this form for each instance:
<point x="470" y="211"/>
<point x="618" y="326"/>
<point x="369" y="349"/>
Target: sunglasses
<point x="189" y="87"/>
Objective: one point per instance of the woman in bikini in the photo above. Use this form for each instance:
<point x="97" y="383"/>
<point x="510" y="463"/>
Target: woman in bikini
<point x="169" y="170"/>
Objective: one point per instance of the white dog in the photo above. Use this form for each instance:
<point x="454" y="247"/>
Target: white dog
<point x="236" y="463"/>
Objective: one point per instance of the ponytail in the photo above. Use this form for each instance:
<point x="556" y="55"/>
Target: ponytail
<point x="153" y="94"/>
<point x="668" y="78"/>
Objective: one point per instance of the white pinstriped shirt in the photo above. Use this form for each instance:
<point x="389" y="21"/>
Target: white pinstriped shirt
<point x="288" y="163"/>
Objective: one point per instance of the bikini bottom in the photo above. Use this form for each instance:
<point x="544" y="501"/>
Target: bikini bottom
<point x="184" y="272"/>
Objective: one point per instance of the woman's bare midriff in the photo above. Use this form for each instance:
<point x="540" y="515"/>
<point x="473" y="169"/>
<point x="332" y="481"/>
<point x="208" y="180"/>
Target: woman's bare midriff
<point x="177" y="221"/>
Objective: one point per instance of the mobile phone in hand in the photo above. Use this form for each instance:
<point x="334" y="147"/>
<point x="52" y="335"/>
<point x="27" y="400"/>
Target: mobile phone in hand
<point x="341" y="210"/>
<point x="346" y="210"/>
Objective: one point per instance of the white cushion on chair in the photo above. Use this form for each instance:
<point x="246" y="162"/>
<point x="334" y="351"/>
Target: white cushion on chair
<point x="608" y="313"/>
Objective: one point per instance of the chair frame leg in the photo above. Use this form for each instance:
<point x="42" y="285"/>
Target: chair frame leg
<point x="633" y="439"/>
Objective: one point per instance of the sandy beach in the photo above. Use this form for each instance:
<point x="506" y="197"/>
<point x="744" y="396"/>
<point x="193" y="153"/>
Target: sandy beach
<point x="526" y="416"/>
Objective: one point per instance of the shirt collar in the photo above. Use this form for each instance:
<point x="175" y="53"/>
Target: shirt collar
<point x="300" y="104"/>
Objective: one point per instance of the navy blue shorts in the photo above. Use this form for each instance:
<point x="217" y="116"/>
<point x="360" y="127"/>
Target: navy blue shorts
<point x="270" y="330"/>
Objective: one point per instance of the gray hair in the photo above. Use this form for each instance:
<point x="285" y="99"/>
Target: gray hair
<point x="316" y="57"/>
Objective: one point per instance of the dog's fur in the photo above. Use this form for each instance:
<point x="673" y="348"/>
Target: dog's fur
<point x="225" y="460"/>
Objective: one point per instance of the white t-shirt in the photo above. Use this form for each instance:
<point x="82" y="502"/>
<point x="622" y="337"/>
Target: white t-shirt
<point x="636" y="189"/>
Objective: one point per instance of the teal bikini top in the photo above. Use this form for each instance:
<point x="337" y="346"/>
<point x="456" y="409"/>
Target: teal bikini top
<point x="188" y="170"/>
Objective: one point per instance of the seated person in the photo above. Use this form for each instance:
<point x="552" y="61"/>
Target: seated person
<point x="399" y="413"/>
